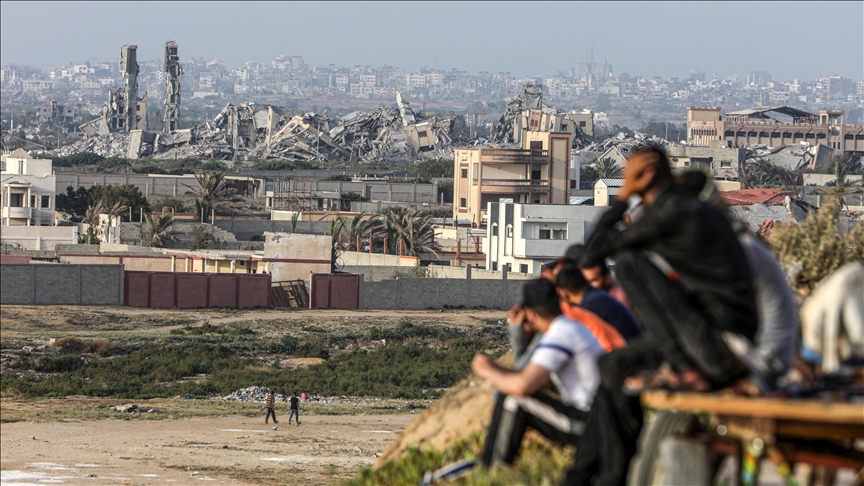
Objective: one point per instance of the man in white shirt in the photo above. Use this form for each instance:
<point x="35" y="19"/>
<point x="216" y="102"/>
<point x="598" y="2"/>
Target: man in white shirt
<point x="566" y="356"/>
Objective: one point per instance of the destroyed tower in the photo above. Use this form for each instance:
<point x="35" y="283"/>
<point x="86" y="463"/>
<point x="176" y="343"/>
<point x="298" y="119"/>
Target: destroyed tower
<point x="124" y="111"/>
<point x="129" y="68"/>
<point x="172" y="69"/>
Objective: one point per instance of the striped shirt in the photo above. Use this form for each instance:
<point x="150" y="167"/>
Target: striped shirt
<point x="271" y="401"/>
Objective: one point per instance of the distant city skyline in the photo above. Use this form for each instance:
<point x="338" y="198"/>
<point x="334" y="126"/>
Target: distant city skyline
<point x="664" y="39"/>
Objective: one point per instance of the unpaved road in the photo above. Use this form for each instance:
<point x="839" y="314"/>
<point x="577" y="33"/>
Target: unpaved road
<point x="231" y="450"/>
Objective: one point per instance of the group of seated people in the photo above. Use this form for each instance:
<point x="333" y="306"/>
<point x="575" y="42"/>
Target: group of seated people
<point x="696" y="303"/>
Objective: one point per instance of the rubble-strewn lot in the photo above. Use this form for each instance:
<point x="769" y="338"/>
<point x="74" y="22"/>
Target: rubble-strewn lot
<point x="68" y="439"/>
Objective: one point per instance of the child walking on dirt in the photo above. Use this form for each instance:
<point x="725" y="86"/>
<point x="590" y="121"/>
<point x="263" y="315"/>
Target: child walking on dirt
<point x="271" y="408"/>
<point x="295" y="409"/>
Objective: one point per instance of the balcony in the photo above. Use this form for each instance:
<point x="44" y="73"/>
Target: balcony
<point x="506" y="156"/>
<point x="17" y="213"/>
<point x="513" y="185"/>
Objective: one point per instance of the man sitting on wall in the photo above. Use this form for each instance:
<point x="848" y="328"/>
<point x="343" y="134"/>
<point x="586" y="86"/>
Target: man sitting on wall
<point x="688" y="278"/>
<point x="566" y="356"/>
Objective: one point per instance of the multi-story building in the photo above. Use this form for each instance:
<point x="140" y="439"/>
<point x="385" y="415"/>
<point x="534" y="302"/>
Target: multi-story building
<point x="28" y="187"/>
<point x="522" y="237"/>
<point x="774" y="126"/>
<point x="758" y="78"/>
<point x="538" y="173"/>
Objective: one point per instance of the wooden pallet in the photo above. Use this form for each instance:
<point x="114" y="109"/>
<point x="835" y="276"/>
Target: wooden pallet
<point x="289" y="294"/>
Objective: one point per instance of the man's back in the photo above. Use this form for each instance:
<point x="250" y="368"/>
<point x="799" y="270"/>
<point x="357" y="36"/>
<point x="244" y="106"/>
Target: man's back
<point x="294" y="403"/>
<point x="698" y="242"/>
<point x="612" y="311"/>
<point x="569" y="352"/>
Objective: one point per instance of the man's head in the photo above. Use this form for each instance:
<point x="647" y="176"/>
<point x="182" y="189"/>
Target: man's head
<point x="541" y="303"/>
<point x="549" y="271"/>
<point x="571" y="284"/>
<point x="597" y="274"/>
<point x="647" y="172"/>
<point x="295" y="393"/>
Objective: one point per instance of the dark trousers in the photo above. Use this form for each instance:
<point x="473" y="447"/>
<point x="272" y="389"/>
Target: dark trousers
<point x="294" y="413"/>
<point x="678" y="332"/>
<point x="512" y="415"/>
<point x="270" y="412"/>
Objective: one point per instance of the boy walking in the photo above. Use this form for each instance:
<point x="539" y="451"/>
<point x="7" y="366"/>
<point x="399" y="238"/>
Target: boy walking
<point x="271" y="408"/>
<point x="295" y="409"/>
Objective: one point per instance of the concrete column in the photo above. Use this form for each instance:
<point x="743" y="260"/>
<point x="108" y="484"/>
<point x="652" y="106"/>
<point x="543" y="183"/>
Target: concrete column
<point x="188" y="264"/>
<point x="173" y="263"/>
<point x="206" y="266"/>
<point x="233" y="266"/>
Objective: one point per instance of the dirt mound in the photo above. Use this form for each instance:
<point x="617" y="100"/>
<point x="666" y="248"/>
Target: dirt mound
<point x="463" y="410"/>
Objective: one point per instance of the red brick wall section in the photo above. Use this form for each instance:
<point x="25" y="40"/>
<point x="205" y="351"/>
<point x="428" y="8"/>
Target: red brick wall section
<point x="253" y="291"/>
<point x="223" y="291"/>
<point x="191" y="291"/>
<point x="162" y="291"/>
<point x="137" y="289"/>
<point x="166" y="290"/>
<point x="335" y="291"/>
<point x="14" y="259"/>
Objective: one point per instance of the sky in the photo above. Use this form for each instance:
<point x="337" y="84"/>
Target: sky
<point x="789" y="40"/>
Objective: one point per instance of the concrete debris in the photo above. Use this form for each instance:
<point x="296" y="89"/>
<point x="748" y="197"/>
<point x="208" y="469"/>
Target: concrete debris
<point x="250" y="131"/>
<point x="625" y="144"/>
<point x="529" y="112"/>
<point x="133" y="408"/>
<point x="257" y="394"/>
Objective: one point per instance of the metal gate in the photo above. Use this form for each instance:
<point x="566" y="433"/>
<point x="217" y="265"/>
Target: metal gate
<point x="335" y="291"/>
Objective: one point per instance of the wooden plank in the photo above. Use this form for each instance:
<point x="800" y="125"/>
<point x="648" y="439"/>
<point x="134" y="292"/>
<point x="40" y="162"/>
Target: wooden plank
<point x="809" y="430"/>
<point x="782" y="409"/>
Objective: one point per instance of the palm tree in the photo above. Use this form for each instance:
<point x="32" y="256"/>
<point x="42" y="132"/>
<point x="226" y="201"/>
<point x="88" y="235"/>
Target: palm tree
<point x="113" y="211"/>
<point x="360" y="227"/>
<point x="157" y="231"/>
<point x="200" y="238"/>
<point x="842" y="187"/>
<point x="91" y="218"/>
<point x="212" y="189"/>
<point x="608" y="168"/>
<point x="413" y="227"/>
<point x="792" y="180"/>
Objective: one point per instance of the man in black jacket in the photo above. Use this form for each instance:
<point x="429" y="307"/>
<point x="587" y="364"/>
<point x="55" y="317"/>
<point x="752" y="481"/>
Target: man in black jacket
<point x="687" y="277"/>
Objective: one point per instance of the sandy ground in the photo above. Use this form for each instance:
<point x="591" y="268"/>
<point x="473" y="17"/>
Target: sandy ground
<point x="230" y="450"/>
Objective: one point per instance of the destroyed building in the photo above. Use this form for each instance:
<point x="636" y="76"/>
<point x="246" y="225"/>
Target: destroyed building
<point x="528" y="112"/>
<point x="172" y="69"/>
<point x="249" y="131"/>
<point x="124" y="111"/>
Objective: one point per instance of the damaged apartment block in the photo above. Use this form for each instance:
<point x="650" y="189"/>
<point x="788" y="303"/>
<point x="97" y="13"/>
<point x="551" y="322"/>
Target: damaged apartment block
<point x="172" y="69"/>
<point x="250" y="131"/>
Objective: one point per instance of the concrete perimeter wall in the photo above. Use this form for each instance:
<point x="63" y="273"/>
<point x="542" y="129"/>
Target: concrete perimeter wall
<point x="244" y="229"/>
<point x="439" y="293"/>
<point x="53" y="284"/>
<point x="376" y="273"/>
<point x="379" y="259"/>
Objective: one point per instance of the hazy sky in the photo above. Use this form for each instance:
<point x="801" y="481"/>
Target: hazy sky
<point x="788" y="39"/>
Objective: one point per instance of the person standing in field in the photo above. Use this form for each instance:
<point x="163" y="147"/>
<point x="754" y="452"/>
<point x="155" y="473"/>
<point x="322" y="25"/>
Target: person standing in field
<point x="271" y="408"/>
<point x="295" y="409"/>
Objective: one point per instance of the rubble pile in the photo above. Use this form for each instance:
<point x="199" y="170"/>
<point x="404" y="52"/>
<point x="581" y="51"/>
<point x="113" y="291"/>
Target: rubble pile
<point x="626" y="144"/>
<point x="257" y="394"/>
<point x="250" y="131"/>
<point x="529" y="111"/>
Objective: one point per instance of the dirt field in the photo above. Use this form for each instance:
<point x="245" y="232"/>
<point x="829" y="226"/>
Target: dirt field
<point x="226" y="450"/>
<point x="80" y="440"/>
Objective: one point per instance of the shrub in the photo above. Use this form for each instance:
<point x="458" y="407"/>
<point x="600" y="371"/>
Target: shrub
<point x="818" y="246"/>
<point x="71" y="344"/>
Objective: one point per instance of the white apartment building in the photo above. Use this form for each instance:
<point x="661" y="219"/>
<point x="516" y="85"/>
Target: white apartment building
<point x="28" y="187"/>
<point x="522" y="237"/>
